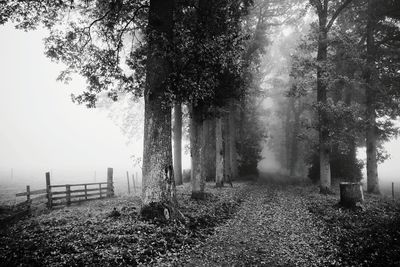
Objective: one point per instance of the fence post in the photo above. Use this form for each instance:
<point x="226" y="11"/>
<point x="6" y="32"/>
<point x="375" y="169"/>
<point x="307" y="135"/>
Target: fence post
<point x="68" y="187"/>
<point x="127" y="178"/>
<point x="110" y="184"/>
<point x="85" y="191"/>
<point x="48" y="191"/>
<point x="100" y="189"/>
<point x="28" y="193"/>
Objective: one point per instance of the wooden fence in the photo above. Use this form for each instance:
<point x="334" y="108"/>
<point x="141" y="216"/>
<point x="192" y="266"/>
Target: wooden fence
<point x="66" y="194"/>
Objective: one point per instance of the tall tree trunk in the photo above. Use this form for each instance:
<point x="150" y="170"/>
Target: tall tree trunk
<point x="288" y="134"/>
<point x="294" y="141"/>
<point x="177" y="135"/>
<point x="352" y="153"/>
<point x="209" y="149"/>
<point x="324" y="146"/>
<point x="227" y="153"/>
<point x="371" y="128"/>
<point x="232" y="140"/>
<point x="219" y="155"/>
<point x="197" y="157"/>
<point x="242" y="125"/>
<point x="157" y="152"/>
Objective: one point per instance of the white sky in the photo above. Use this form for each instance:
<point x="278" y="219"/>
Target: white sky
<point x="40" y="128"/>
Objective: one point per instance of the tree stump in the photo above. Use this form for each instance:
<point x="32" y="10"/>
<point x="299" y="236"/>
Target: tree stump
<point x="351" y="194"/>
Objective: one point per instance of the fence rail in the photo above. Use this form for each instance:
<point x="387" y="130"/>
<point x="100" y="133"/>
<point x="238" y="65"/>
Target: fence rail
<point x="88" y="192"/>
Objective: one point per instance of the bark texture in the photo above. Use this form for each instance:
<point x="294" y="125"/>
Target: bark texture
<point x="294" y="142"/>
<point x="219" y="159"/>
<point x="371" y="128"/>
<point x="157" y="152"/>
<point x="324" y="147"/>
<point x="351" y="194"/>
<point x="197" y="155"/>
<point x="209" y="148"/>
<point x="177" y="135"/>
<point x="227" y="153"/>
<point x="232" y="140"/>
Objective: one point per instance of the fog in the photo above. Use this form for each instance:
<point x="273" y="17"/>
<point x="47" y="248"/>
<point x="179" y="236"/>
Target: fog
<point x="42" y="130"/>
<point x="276" y="65"/>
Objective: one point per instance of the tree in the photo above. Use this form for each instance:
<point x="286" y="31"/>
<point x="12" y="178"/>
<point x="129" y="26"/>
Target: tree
<point x="93" y="50"/>
<point x="325" y="23"/>
<point x="219" y="158"/>
<point x="177" y="136"/>
<point x="382" y="42"/>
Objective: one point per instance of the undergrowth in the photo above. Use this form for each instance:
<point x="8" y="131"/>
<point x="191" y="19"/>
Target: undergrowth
<point x="90" y="235"/>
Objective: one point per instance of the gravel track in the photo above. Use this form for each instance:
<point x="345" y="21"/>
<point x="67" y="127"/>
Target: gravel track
<point x="273" y="227"/>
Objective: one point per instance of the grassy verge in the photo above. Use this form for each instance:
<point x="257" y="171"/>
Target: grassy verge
<point x="88" y="235"/>
<point x="368" y="236"/>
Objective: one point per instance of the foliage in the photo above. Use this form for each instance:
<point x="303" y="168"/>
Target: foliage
<point x="89" y="235"/>
<point x="364" y="237"/>
<point x="251" y="142"/>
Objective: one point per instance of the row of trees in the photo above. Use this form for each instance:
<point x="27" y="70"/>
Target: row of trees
<point x="351" y="57"/>
<point x="201" y="54"/>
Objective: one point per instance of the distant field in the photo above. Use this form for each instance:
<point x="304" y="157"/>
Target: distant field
<point x="386" y="189"/>
<point x="9" y="187"/>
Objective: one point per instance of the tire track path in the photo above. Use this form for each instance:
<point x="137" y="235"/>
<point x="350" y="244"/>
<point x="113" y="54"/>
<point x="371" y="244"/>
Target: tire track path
<point x="273" y="227"/>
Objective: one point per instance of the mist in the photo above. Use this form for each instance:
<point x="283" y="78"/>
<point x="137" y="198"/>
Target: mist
<point x="42" y="130"/>
<point x="277" y="64"/>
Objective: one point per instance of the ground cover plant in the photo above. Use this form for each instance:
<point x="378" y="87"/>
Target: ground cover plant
<point x="93" y="234"/>
<point x="269" y="222"/>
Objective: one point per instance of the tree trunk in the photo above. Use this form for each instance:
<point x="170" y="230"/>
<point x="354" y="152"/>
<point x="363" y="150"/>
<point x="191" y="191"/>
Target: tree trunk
<point x="242" y="112"/>
<point x="351" y="194"/>
<point x="324" y="146"/>
<point x="177" y="135"/>
<point x="209" y="148"/>
<point x="197" y="157"/>
<point x="219" y="157"/>
<point x="294" y="149"/>
<point x="227" y="153"/>
<point x="232" y="140"/>
<point x="371" y="128"/>
<point x="157" y="153"/>
<point x="288" y="134"/>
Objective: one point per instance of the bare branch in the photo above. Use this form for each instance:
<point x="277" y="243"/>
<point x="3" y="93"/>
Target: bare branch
<point x="126" y="26"/>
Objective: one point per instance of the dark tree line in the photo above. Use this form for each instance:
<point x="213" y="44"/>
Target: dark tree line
<point x="207" y="55"/>
<point x="172" y="53"/>
<point x="351" y="84"/>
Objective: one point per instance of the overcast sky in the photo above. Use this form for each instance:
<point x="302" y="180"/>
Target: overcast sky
<point x="40" y="128"/>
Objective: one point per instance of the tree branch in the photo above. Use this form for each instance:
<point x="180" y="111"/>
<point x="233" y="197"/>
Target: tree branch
<point x="337" y="12"/>
<point x="317" y="4"/>
<point x="126" y="26"/>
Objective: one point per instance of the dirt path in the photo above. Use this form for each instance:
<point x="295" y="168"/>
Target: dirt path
<point x="273" y="227"/>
